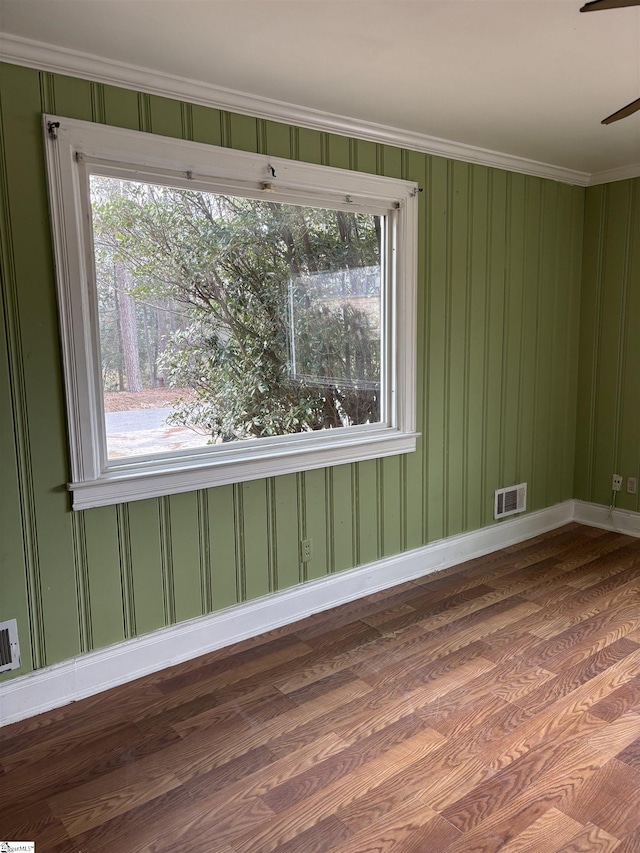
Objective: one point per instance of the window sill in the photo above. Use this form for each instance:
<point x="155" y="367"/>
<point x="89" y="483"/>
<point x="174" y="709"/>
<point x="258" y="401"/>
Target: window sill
<point x="151" y="479"/>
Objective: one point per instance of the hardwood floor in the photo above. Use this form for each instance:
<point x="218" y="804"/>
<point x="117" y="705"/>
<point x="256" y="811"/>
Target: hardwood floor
<point x="494" y="706"/>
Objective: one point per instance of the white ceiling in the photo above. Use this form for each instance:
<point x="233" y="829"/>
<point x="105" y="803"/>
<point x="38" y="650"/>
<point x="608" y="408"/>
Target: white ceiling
<point x="530" y="78"/>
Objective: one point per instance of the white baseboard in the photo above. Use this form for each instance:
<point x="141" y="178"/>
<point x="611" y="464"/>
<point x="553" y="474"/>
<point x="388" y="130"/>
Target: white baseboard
<point x="92" y="673"/>
<point x="596" y="515"/>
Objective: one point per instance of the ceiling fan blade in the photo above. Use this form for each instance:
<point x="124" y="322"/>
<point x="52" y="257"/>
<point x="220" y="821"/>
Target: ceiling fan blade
<point x="596" y="5"/>
<point x="631" y="108"/>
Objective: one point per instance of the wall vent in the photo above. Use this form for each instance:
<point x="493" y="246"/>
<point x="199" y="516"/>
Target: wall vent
<point x="9" y="646"/>
<point x="510" y="500"/>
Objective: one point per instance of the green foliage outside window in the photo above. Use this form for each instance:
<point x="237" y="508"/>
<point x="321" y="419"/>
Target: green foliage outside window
<point x="269" y="313"/>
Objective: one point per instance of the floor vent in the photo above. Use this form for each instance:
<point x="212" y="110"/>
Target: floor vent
<point x="9" y="646"/>
<point x="509" y="501"/>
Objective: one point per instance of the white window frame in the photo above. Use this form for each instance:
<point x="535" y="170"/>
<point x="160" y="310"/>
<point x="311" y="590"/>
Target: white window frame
<point x="75" y="148"/>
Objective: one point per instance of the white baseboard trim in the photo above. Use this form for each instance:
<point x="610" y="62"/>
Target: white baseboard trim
<point x="92" y="673"/>
<point x="597" y="515"/>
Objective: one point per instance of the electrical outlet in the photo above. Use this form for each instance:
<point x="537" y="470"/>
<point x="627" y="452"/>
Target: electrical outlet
<point x="632" y="485"/>
<point x="306" y="550"/>
<point x="617" y="483"/>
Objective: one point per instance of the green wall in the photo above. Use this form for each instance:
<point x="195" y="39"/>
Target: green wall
<point x="608" y="433"/>
<point x="498" y="314"/>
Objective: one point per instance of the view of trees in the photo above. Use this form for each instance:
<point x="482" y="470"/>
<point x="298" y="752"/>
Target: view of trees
<point x="268" y="313"/>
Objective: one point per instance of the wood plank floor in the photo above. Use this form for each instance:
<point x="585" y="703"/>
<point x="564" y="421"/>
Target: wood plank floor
<point x="494" y="706"/>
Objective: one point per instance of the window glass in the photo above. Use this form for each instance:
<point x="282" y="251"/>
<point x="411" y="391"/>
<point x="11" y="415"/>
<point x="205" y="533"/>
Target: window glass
<point x="225" y="318"/>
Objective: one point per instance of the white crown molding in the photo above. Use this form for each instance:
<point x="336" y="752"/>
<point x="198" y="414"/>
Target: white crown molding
<point x="607" y="518"/>
<point x="92" y="673"/>
<point x="623" y="173"/>
<point x="35" y="54"/>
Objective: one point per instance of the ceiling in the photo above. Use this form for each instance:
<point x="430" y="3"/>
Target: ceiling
<point x="528" y="78"/>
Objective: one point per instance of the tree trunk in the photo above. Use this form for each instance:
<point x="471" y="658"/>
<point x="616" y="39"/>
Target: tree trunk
<point x="346" y="225"/>
<point x="162" y="336"/>
<point x="128" y="329"/>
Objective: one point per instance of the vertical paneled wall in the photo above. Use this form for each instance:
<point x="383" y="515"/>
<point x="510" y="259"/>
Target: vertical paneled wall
<point x="499" y="282"/>
<point x="608" y="434"/>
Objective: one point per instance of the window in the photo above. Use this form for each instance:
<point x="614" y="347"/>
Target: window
<point x="225" y="316"/>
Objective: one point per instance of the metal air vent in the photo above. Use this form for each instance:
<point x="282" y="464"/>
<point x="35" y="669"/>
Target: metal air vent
<point x="510" y="500"/>
<point x="9" y="646"/>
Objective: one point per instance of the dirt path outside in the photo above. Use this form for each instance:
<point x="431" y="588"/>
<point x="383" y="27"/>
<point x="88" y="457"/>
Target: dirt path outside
<point x="151" y="398"/>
